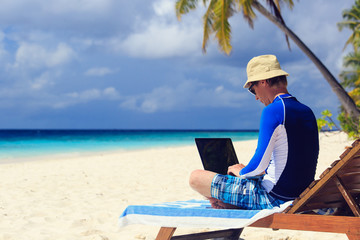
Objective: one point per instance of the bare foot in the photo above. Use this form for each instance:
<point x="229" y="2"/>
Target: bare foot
<point x="217" y="204"/>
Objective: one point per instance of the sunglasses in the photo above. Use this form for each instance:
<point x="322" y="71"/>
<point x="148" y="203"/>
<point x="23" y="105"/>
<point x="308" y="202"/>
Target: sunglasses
<point x="251" y="90"/>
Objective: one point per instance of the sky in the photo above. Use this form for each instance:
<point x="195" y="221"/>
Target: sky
<point x="120" y="64"/>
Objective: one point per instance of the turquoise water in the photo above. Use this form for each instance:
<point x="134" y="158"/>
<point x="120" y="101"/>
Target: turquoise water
<point x="31" y="143"/>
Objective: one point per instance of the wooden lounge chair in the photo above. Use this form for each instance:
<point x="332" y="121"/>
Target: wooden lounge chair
<point x="338" y="187"/>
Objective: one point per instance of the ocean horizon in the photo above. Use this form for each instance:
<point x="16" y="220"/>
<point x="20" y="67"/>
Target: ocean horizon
<point x="29" y="143"/>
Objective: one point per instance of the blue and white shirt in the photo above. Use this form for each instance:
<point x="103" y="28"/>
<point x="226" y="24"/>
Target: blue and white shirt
<point x="287" y="150"/>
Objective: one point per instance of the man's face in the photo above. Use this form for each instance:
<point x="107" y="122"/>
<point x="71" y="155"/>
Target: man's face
<point x="261" y="91"/>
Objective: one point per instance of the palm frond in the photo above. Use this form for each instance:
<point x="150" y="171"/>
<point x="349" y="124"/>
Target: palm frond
<point x="352" y="21"/>
<point x="351" y="75"/>
<point x="275" y="10"/>
<point x="184" y="6"/>
<point x="208" y="24"/>
<point x="223" y="9"/>
<point x="289" y="3"/>
<point x="352" y="59"/>
<point x="347" y="24"/>
<point x="245" y="6"/>
<point x="352" y="14"/>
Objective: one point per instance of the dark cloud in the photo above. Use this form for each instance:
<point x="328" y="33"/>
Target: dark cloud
<point x="131" y="64"/>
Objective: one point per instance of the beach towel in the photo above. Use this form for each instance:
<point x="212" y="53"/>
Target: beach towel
<point x="193" y="214"/>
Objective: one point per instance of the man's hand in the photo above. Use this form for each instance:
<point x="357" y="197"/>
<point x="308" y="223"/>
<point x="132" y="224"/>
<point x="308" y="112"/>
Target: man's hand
<point x="235" y="169"/>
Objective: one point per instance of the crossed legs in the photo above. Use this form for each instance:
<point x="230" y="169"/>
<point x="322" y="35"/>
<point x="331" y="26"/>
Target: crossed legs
<point x="200" y="181"/>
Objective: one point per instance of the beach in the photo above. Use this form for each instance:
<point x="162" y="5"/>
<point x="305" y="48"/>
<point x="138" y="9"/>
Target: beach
<point x="81" y="196"/>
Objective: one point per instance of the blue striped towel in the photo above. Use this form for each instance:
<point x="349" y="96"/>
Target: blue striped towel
<point x="194" y="214"/>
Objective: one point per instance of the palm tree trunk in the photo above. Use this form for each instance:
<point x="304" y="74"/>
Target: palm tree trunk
<point x="345" y="100"/>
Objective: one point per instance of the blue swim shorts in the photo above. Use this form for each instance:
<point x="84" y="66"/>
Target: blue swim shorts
<point x="246" y="193"/>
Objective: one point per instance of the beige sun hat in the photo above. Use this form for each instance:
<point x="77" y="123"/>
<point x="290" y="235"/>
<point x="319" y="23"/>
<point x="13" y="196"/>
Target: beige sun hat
<point x="263" y="67"/>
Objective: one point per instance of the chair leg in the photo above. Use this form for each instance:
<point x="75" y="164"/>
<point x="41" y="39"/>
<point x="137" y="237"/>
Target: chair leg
<point x="353" y="236"/>
<point x="230" y="234"/>
<point x="236" y="234"/>
<point x="165" y="233"/>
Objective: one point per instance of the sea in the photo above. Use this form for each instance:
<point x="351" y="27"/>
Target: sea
<point x="30" y="143"/>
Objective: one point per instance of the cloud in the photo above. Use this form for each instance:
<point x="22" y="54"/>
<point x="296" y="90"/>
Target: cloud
<point x="160" y="99"/>
<point x="98" y="72"/>
<point x="162" y="36"/>
<point x="37" y="99"/>
<point x="42" y="81"/>
<point x="185" y="95"/>
<point x="3" y="51"/>
<point x="111" y="93"/>
<point x="320" y="32"/>
<point x="164" y="8"/>
<point x="33" y="55"/>
<point x="92" y="94"/>
<point x="78" y="6"/>
<point x="160" y="40"/>
<point x="86" y="96"/>
<point x="53" y="15"/>
<point x="37" y="66"/>
<point x="234" y="75"/>
<point x="38" y="40"/>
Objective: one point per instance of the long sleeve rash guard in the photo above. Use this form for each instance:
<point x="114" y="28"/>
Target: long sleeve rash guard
<point x="287" y="149"/>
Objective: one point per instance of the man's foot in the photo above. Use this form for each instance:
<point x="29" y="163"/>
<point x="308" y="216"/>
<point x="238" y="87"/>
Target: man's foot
<point x="217" y="204"/>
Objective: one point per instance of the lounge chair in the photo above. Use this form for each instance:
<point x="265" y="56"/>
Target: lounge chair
<point x="338" y="188"/>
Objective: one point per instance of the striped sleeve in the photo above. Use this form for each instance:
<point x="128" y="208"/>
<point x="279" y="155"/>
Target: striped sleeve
<point x="272" y="117"/>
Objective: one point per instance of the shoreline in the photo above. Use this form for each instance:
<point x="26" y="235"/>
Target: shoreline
<point x="78" y="154"/>
<point x="72" y="153"/>
<point x="81" y="197"/>
<point x="88" y="153"/>
<point x="25" y="145"/>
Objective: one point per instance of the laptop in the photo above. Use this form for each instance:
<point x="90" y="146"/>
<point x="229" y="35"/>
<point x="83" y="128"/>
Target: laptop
<point x="216" y="154"/>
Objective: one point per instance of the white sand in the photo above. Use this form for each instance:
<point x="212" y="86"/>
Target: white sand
<point x="81" y="197"/>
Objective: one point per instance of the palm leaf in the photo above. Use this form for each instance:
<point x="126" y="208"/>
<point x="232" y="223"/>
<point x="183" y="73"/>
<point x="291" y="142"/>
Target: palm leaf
<point x="352" y="22"/>
<point x="184" y="6"/>
<point x="222" y="11"/>
<point x="204" y="2"/>
<point x="275" y="9"/>
<point x="216" y="18"/>
<point x="350" y="76"/>
<point x="245" y="6"/>
<point x="289" y="3"/>
<point x="208" y="24"/>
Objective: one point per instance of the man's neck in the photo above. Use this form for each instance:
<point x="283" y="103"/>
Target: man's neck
<point x="278" y="92"/>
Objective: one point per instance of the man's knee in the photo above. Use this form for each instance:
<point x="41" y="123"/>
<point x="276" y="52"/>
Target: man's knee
<point x="200" y="181"/>
<point x="195" y="178"/>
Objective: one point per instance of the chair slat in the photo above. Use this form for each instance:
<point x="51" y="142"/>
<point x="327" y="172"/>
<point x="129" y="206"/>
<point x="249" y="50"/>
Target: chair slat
<point x="348" y="197"/>
<point x="325" y="172"/>
<point x="334" y="163"/>
<point x="348" y="149"/>
<point x="325" y="183"/>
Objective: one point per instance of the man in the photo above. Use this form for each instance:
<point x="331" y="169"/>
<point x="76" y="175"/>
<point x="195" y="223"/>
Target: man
<point x="285" y="160"/>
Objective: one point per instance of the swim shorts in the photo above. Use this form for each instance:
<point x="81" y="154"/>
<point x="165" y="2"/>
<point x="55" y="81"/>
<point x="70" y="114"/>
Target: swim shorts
<point x="246" y="193"/>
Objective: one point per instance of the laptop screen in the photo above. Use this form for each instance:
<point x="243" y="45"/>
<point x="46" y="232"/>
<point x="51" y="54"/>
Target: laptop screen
<point x="216" y="154"/>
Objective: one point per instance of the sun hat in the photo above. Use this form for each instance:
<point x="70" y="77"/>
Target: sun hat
<point x="263" y="67"/>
